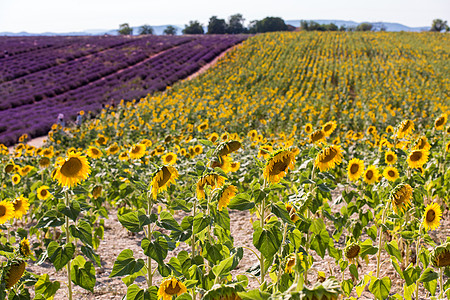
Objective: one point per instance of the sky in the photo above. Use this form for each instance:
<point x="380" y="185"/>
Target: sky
<point x="37" y="16"/>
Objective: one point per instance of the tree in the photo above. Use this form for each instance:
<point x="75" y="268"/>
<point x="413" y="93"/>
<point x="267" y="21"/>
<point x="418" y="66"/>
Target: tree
<point x="170" y="30"/>
<point x="145" y="29"/>
<point x="216" y="26"/>
<point x="268" y="24"/>
<point x="125" y="29"/>
<point x="236" y="24"/>
<point x="194" y="27"/>
<point x="439" y="25"/>
<point x="364" y="27"/>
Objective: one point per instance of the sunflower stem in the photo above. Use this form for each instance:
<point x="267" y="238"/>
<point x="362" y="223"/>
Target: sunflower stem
<point x="380" y="241"/>
<point x="149" y="236"/>
<point x="69" y="276"/>
<point x="261" y="258"/>
<point x="279" y="255"/>
<point x="441" y="282"/>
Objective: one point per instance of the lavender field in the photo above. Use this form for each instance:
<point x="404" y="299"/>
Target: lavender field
<point x="41" y="77"/>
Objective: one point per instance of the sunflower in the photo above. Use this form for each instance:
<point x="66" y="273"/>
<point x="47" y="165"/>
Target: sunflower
<point x="162" y="179"/>
<point x="21" y="206"/>
<point x="264" y="151"/>
<point x="328" y="158"/>
<point x="439" y="123"/>
<point x="253" y="134"/>
<point x="389" y="129"/>
<point x="226" y="193"/>
<point x="9" y="168"/>
<point x="371" y="174"/>
<point x="171" y="287"/>
<point x="329" y="127"/>
<point x="291" y="262"/>
<point x="72" y="170"/>
<point x="440" y="256"/>
<point x="234" y="166"/>
<point x="169" y="158"/>
<point x="391" y="173"/>
<point x="317" y="136"/>
<point x="401" y="197"/>
<point x="422" y="144"/>
<point x="292" y="212"/>
<point x="278" y="164"/>
<point x="213" y="137"/>
<point x="202" y="127"/>
<point x="223" y="162"/>
<point x="43" y="193"/>
<point x="352" y="250"/>
<point x="417" y="158"/>
<point x="6" y="211"/>
<point x="24" y="248"/>
<point x="137" y="151"/>
<point x="432" y="216"/>
<point x="48" y="152"/>
<point x="13" y="273"/>
<point x="97" y="191"/>
<point x="114" y="149"/>
<point x="15" y="179"/>
<point x="93" y="152"/>
<point x="25" y="170"/>
<point x="198" y="149"/>
<point x="447" y="147"/>
<point x="211" y="179"/>
<point x="405" y="128"/>
<point x="124" y="156"/>
<point x="372" y="130"/>
<point x="355" y="169"/>
<point x="226" y="148"/>
<point x="308" y="128"/>
<point x="101" y="140"/>
<point x="44" y="162"/>
<point x="390" y="157"/>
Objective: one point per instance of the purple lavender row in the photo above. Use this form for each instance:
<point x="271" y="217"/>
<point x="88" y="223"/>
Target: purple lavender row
<point x="22" y="64"/>
<point x="155" y="74"/>
<point x="72" y="75"/>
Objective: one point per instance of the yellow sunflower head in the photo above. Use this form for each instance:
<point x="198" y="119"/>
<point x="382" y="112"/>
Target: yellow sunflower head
<point x="198" y="149"/>
<point x="355" y="169"/>
<point x="13" y="273"/>
<point x="422" y="144"/>
<point x="94" y="152"/>
<point x="405" y="128"/>
<point x="234" y="166"/>
<point x="328" y="158"/>
<point x="137" y="151"/>
<point x="447" y="147"/>
<point x="223" y="162"/>
<point x="391" y="173"/>
<point x="25" y="170"/>
<point x="440" y="256"/>
<point x="292" y="212"/>
<point x="113" y="149"/>
<point x="225" y="194"/>
<point x="15" y="179"/>
<point x="162" y="179"/>
<point x="432" y="216"/>
<point x="97" y="191"/>
<point x="226" y="148"/>
<point x="292" y="261"/>
<point x="389" y="129"/>
<point x="203" y="126"/>
<point x="171" y="287"/>
<point x="264" y="151"/>
<point x="211" y="179"/>
<point x="372" y="130"/>
<point x="253" y="134"/>
<point x="6" y="211"/>
<point x="9" y="168"/>
<point x="214" y="137"/>
<point x="169" y="158"/>
<point x="72" y="170"/>
<point x="25" y="248"/>
<point x="308" y="128"/>
<point x="101" y="140"/>
<point x="417" y="158"/>
<point x="278" y="164"/>
<point x="390" y="157"/>
<point x="21" y="206"/>
<point x="401" y="197"/>
<point x="43" y="193"/>
<point x="329" y="127"/>
<point x="317" y="137"/>
<point x="440" y="122"/>
<point x="371" y="175"/>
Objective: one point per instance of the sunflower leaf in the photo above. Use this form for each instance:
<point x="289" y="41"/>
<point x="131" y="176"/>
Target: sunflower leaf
<point x="428" y="275"/>
<point x="134" y="292"/>
<point x="51" y="218"/>
<point x="45" y="289"/>
<point x="380" y="288"/>
<point x="125" y="264"/>
<point x="83" y="273"/>
<point x="60" y="255"/>
<point x="83" y="231"/>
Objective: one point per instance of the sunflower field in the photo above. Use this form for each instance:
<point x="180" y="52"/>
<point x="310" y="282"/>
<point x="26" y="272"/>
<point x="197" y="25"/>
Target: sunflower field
<point x="333" y="148"/>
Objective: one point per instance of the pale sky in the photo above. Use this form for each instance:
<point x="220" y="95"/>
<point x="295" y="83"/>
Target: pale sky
<point x="37" y="16"/>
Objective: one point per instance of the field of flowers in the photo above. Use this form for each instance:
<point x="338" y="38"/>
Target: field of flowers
<point x="82" y="73"/>
<point x="336" y="145"/>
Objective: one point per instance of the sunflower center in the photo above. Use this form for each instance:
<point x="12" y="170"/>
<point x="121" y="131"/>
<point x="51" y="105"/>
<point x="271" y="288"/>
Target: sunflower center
<point x="291" y="262"/>
<point x="170" y="290"/>
<point x="390" y="157"/>
<point x="443" y="259"/>
<point x="9" y="168"/>
<point x="391" y="173"/>
<point x="353" y="251"/>
<point x="213" y="139"/>
<point x="327" y="127"/>
<point x="369" y="174"/>
<point x="2" y="210"/>
<point x="316" y="136"/>
<point x="431" y="215"/>
<point x="416" y="155"/>
<point x="165" y="177"/>
<point x="17" y="204"/>
<point x="280" y="166"/>
<point x="354" y="168"/>
<point x="406" y="126"/>
<point x="328" y="155"/>
<point x="95" y="151"/>
<point x="101" y="140"/>
<point x="169" y="158"/>
<point x="439" y="121"/>
<point x="44" y="193"/>
<point x="72" y="167"/>
<point x="136" y="150"/>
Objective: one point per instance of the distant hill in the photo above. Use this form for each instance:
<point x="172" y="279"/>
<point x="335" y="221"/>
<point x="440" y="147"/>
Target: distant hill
<point x="160" y="28"/>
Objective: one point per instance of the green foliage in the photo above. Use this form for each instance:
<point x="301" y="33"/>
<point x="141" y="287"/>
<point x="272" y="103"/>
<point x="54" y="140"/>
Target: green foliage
<point x="194" y="27"/>
<point x="125" y="29"/>
<point x="268" y="24"/>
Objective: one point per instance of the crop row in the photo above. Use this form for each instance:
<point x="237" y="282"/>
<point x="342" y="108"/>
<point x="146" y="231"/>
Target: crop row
<point x="149" y="74"/>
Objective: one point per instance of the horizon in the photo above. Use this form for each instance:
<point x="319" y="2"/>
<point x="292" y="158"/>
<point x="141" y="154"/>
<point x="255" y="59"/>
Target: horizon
<point x="68" y="16"/>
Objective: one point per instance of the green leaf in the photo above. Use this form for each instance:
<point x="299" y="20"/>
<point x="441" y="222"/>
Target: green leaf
<point x="201" y="222"/>
<point x="254" y="295"/>
<point x="267" y="241"/>
<point x="279" y="210"/>
<point x="130" y="221"/>
<point x="45" y="289"/>
<point x="347" y="286"/>
<point x="431" y="286"/>
<point x="134" y="292"/>
<point x="223" y="267"/>
<point x="392" y="249"/>
<point x="320" y="242"/>
<point x="156" y="249"/>
<point x="83" y="273"/>
<point x="51" y="218"/>
<point x="59" y="255"/>
<point x="372" y="232"/>
<point x="125" y="264"/>
<point x="296" y="238"/>
<point x="367" y="248"/>
<point x="168" y="222"/>
<point x="354" y="271"/>
<point x="241" y="202"/>
<point x="380" y="288"/>
<point x="408" y="291"/>
<point x="90" y="253"/>
<point x="428" y="275"/>
<point x="72" y="211"/>
<point x="83" y="231"/>
<point x="411" y="274"/>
